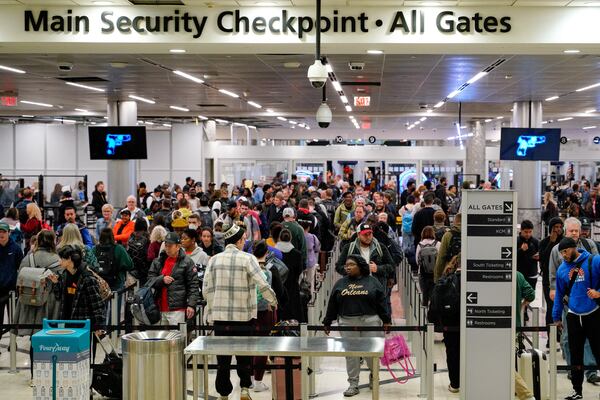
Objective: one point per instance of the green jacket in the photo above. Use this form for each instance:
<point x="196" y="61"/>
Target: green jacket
<point x="341" y="214"/>
<point x="123" y="263"/>
<point x="524" y="292"/>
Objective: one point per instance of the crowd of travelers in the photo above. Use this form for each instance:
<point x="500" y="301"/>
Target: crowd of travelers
<point x="252" y="255"/>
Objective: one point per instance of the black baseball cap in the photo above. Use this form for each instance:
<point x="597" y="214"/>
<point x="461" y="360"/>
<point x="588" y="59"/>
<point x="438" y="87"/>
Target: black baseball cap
<point x="172" y="238"/>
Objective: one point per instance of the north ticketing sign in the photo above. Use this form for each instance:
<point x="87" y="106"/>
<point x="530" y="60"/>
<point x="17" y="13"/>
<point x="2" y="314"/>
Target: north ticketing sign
<point x="487" y="306"/>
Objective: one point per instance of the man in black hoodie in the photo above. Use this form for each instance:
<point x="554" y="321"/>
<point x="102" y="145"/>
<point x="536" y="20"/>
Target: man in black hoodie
<point x="528" y="255"/>
<point x="423" y="217"/>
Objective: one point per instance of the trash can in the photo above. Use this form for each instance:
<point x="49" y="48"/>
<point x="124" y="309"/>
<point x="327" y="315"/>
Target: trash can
<point x="154" y="365"/>
<point x="61" y="360"/>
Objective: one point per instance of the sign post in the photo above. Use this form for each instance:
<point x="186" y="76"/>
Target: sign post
<point x="488" y="285"/>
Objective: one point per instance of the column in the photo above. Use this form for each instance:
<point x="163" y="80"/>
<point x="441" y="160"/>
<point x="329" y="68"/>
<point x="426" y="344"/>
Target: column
<point x="121" y="174"/>
<point x="527" y="175"/>
<point x="475" y="154"/>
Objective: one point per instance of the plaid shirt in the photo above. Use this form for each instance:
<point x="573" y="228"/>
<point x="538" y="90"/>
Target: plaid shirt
<point x="229" y="286"/>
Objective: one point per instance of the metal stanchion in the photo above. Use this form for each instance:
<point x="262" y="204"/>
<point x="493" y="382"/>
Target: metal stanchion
<point x="12" y="346"/>
<point x="422" y="356"/>
<point x="183" y="330"/>
<point x="535" y="318"/>
<point x="429" y="338"/>
<point x="552" y="338"/>
<point x="114" y="318"/>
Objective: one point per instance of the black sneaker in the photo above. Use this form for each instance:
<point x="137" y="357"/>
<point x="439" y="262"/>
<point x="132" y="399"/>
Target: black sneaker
<point x="574" y="396"/>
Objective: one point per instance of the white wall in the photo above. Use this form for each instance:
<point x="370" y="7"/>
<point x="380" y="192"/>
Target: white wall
<point x="57" y="149"/>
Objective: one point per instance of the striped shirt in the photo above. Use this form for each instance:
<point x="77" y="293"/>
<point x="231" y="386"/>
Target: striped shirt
<point x="230" y="283"/>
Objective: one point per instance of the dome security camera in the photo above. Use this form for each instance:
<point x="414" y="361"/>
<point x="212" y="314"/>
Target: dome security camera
<point x="317" y="74"/>
<point x="324" y="115"/>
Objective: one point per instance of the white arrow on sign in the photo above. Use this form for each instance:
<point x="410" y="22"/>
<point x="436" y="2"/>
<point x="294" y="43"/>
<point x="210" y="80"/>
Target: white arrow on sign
<point x="507" y="253"/>
<point x="471" y="297"/>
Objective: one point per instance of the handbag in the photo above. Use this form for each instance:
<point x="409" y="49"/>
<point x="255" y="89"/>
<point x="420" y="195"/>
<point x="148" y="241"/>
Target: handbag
<point x="103" y="287"/>
<point x="396" y="351"/>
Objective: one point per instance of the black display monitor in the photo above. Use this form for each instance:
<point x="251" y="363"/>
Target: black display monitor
<point x="118" y="143"/>
<point x="529" y="144"/>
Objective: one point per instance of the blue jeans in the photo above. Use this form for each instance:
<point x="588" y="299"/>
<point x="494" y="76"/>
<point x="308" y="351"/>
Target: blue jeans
<point x="588" y="357"/>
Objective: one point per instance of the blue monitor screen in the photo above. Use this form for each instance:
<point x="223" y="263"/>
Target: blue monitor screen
<point x="118" y="142"/>
<point x="529" y="144"/>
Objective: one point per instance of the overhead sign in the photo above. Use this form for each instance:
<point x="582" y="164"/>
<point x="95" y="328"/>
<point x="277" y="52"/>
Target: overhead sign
<point x="362" y="101"/>
<point x="488" y="266"/>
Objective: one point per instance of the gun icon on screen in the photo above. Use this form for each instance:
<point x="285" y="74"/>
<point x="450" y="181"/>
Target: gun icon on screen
<point x="528" y="142"/>
<point x="114" y="141"/>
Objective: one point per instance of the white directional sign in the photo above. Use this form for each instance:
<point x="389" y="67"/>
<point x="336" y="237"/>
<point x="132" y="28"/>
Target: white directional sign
<point x="488" y="264"/>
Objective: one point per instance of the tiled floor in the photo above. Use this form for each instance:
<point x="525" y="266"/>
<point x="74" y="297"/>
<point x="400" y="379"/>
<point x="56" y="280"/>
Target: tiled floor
<point x="331" y="381"/>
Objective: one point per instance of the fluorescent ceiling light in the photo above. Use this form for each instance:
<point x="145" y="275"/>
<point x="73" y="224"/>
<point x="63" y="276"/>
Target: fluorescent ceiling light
<point x="488" y="120"/>
<point x="35" y="103"/>
<point x="552" y="98"/>
<point x="587" y="87"/>
<point x="149" y="123"/>
<point x="28" y="116"/>
<point x="593" y="110"/>
<point x="292" y="122"/>
<point x="477" y="77"/>
<point x="188" y="76"/>
<point x="301" y="125"/>
<point x="329" y="68"/>
<point x="423" y="119"/>
<point x="177" y="51"/>
<point x="499" y="117"/>
<point x="179" y="108"/>
<point x="336" y="86"/>
<point x="222" y="121"/>
<point x="81" y="110"/>
<point x="348" y="108"/>
<point x="564" y="119"/>
<point x="544" y="122"/>
<point x="429" y="111"/>
<point x="438" y="105"/>
<point x="589" y="127"/>
<point x="145" y="100"/>
<point x="270" y="111"/>
<point x="374" y="51"/>
<point x="167" y="125"/>
<point x="463" y="127"/>
<point x="18" y="71"/>
<point x="571" y="51"/>
<point x="69" y="121"/>
<point x="282" y="118"/>
<point x="141" y="122"/>
<point x="307" y="127"/>
<point x="344" y="99"/>
<point x="202" y="117"/>
<point x="454" y="93"/>
<point x="417" y="123"/>
<point x="228" y="93"/>
<point x="253" y="104"/>
<point x="85" y="86"/>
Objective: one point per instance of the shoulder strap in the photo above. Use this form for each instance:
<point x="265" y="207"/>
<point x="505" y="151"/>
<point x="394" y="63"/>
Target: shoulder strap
<point x="31" y="260"/>
<point x="573" y="278"/>
<point x="586" y="244"/>
<point x="351" y="247"/>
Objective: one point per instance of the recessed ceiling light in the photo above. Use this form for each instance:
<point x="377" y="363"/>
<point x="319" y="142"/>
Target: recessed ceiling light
<point x="28" y="116"/>
<point x="228" y="93"/>
<point x="188" y="76"/>
<point x="589" y="127"/>
<point x="18" y="71"/>
<point x="422" y="119"/>
<point x="253" y="104"/>
<point x="292" y="122"/>
<point x="488" y="120"/>
<point x="177" y="51"/>
<point x="179" y="108"/>
<point x="167" y="125"/>
<point x="79" y="85"/>
<point x="564" y="119"/>
<point x="35" y="103"/>
<point x="291" y="64"/>
<point x="202" y="117"/>
<point x="344" y="99"/>
<point x="145" y="100"/>
<point x="499" y="117"/>
<point x="149" y="123"/>
<point x="336" y="86"/>
<point x="552" y="98"/>
<point x="374" y="51"/>
<point x="571" y="51"/>
<point x="282" y="118"/>
<point x="348" y="108"/>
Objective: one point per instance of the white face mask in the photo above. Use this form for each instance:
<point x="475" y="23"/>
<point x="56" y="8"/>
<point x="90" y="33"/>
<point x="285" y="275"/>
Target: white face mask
<point x="193" y="226"/>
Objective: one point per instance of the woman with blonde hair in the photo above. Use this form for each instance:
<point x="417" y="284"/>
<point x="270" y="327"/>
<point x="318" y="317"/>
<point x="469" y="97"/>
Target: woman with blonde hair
<point x="550" y="208"/>
<point x="33" y="225"/>
<point x="72" y="236"/>
<point x="157" y="237"/>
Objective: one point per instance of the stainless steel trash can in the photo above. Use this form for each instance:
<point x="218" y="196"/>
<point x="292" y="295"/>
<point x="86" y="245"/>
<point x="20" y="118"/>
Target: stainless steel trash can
<point x="153" y="365"/>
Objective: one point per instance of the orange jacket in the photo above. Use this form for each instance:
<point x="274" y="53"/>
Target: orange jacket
<point x="125" y="233"/>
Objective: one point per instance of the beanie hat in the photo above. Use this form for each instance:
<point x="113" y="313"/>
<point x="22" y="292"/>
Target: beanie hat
<point x="554" y="221"/>
<point x="566" y="243"/>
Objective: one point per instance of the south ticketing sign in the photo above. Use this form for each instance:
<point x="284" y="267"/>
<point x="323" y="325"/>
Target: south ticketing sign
<point x="488" y="264"/>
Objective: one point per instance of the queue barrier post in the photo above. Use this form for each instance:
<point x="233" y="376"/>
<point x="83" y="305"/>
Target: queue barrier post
<point x="552" y="336"/>
<point x="12" y="345"/>
<point x="429" y="343"/>
<point x="114" y="318"/>
<point x="422" y="356"/>
<point x="535" y="318"/>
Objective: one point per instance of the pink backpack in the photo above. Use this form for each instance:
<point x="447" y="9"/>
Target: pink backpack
<point x="396" y="351"/>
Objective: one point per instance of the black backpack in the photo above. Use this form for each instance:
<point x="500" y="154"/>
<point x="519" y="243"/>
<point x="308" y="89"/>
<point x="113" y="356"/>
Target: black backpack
<point x="137" y="248"/>
<point x="444" y="306"/>
<point x="105" y="254"/>
<point x="206" y="218"/>
<point x="330" y="207"/>
<point x="144" y="308"/>
<point x="439" y="234"/>
<point x="455" y="246"/>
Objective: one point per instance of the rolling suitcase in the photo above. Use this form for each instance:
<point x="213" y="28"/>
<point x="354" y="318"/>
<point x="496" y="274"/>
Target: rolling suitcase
<point x="278" y="380"/>
<point x="534" y="367"/>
